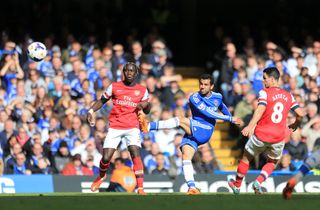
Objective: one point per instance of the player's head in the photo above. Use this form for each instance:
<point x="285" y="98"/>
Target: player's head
<point x="130" y="72"/>
<point x="271" y="77"/>
<point x="205" y="84"/>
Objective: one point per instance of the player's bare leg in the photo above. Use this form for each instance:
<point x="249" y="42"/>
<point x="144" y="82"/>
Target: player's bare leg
<point x="137" y="167"/>
<point x="187" y="154"/>
<point x="242" y="170"/>
<point x="104" y="165"/>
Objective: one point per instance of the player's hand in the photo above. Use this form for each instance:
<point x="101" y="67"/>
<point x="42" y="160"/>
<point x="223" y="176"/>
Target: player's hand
<point x="141" y="106"/>
<point x="247" y="131"/>
<point x="91" y="118"/>
<point x="236" y="120"/>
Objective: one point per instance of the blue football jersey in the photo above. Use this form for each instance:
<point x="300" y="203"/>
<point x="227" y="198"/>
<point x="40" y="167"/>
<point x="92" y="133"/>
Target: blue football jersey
<point x="206" y="109"/>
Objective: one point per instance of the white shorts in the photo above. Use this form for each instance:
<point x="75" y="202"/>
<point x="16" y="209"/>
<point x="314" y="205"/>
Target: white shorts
<point x="115" y="136"/>
<point x="273" y="150"/>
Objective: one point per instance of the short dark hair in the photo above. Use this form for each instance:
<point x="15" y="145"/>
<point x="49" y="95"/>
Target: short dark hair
<point x="272" y="72"/>
<point x="206" y="76"/>
<point x="132" y="66"/>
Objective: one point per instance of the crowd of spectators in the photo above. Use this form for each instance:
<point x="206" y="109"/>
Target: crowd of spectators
<point x="43" y="106"/>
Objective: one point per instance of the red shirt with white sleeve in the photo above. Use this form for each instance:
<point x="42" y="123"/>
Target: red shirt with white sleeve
<point x="125" y="99"/>
<point x="273" y="125"/>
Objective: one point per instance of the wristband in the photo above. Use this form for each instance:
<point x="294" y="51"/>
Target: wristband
<point x="90" y="111"/>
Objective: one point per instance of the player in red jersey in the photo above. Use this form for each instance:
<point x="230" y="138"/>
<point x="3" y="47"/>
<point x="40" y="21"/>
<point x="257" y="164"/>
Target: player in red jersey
<point x="267" y="128"/>
<point x="128" y="99"/>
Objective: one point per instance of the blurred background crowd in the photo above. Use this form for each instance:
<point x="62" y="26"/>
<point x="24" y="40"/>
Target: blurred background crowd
<point x="43" y="106"/>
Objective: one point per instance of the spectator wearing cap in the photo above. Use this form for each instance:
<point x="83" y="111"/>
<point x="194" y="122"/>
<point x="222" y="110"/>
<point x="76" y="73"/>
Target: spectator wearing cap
<point x="62" y="156"/>
<point x="75" y="167"/>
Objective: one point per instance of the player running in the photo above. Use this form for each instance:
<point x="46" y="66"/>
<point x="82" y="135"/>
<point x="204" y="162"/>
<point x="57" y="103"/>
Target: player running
<point x="267" y="129"/>
<point x="204" y="106"/>
<point x="128" y="99"/>
<point x="310" y="163"/>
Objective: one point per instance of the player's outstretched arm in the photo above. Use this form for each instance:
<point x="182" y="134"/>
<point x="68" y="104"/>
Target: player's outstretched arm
<point x="299" y="116"/>
<point x="96" y="106"/>
<point x="249" y="129"/>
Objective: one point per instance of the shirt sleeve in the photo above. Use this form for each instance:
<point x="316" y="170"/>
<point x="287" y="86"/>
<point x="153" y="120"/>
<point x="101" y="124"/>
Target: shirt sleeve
<point x="262" y="99"/>
<point x="145" y="97"/>
<point x="107" y="94"/>
<point x="207" y="110"/>
<point x="294" y="103"/>
<point x="224" y="109"/>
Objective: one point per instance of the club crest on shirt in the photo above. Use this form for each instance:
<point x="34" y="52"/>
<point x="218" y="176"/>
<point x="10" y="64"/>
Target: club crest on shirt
<point x="216" y="103"/>
<point x="136" y="92"/>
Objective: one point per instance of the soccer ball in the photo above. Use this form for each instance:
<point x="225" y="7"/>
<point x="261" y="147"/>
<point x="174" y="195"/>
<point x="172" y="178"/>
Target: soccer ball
<point x="37" y="51"/>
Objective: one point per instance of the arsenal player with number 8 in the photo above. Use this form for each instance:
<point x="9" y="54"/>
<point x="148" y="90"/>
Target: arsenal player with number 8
<point x="267" y="129"/>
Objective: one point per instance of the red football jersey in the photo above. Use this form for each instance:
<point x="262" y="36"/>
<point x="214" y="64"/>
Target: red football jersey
<point x="272" y="126"/>
<point x="125" y="99"/>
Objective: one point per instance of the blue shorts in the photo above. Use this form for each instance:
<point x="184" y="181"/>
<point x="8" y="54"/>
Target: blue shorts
<point x="201" y="134"/>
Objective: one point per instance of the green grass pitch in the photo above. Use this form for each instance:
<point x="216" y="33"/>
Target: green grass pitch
<point x="156" y="201"/>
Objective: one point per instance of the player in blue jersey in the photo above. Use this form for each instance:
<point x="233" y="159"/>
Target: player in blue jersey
<point x="204" y="106"/>
<point x="312" y="162"/>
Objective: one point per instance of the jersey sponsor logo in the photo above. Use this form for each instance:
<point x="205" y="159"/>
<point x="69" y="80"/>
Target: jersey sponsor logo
<point x="125" y="103"/>
<point x="212" y="110"/>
